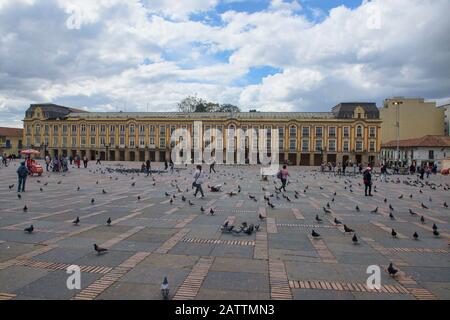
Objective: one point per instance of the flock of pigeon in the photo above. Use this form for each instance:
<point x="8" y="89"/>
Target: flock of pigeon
<point x="271" y="200"/>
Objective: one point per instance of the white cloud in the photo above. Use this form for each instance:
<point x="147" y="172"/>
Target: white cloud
<point x="122" y="52"/>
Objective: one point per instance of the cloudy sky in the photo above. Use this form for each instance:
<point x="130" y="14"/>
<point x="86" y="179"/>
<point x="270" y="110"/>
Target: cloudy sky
<point x="272" y="55"/>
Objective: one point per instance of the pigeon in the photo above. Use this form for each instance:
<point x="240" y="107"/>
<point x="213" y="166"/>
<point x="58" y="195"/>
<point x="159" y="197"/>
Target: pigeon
<point x="211" y="211"/>
<point x="400" y="197"/>
<point x="165" y="288"/>
<point x="19" y="196"/>
<point x="412" y="212"/>
<point x="445" y="205"/>
<point x="415" y="236"/>
<point x="326" y="210"/>
<point x="336" y="221"/>
<point x="190" y="203"/>
<point x="392" y="271"/>
<point x="30" y="229"/>
<point x="25" y="209"/>
<point x="355" y="239"/>
<point x="78" y="188"/>
<point x="315" y="234"/>
<point x="424" y="206"/>
<point x="318" y="219"/>
<point x="422" y="219"/>
<point x="257" y="227"/>
<point x="374" y="210"/>
<point x="391" y="216"/>
<point x="103" y="191"/>
<point x="385" y="200"/>
<point x="108" y="221"/>
<point x="11" y="186"/>
<point x="183" y="198"/>
<point x="436" y="233"/>
<point x="92" y="201"/>
<point x="133" y="184"/>
<point x="410" y="196"/>
<point x="166" y="194"/>
<point x="271" y="205"/>
<point x="357" y="209"/>
<point x="139" y="197"/>
<point x="435" y="226"/>
<point x="76" y="221"/>
<point x="430" y="199"/>
<point x="202" y="209"/>
<point x="391" y="207"/>
<point x="40" y="189"/>
<point x="332" y="200"/>
<point x="261" y="217"/>
<point x="99" y="249"/>
<point x="347" y="229"/>
<point x="394" y="233"/>
<point x="328" y="205"/>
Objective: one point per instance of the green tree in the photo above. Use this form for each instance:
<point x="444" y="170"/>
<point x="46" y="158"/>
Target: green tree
<point x="195" y="104"/>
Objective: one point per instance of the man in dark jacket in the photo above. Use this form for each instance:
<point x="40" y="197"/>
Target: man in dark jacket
<point x="368" y="182"/>
<point x="22" y="173"/>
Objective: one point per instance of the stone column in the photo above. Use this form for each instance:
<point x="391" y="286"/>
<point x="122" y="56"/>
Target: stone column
<point x="311" y="159"/>
<point x="299" y="156"/>
<point x="157" y="156"/>
<point x="127" y="154"/>
<point x="117" y="155"/>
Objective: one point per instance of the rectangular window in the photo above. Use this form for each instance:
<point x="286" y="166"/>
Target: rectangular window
<point x="141" y="129"/>
<point x="64" y="142"/>
<point x="331" y="145"/>
<point x="112" y="142"/>
<point x="292" y="144"/>
<point x="372" y="146"/>
<point x="131" y="142"/>
<point x="83" y="129"/>
<point x="372" y="132"/>
<point x="92" y="141"/>
<point x="359" y="146"/>
<point x="92" y="129"/>
<point x="332" y="132"/>
<point x="319" y="132"/>
<point x="74" y="141"/>
<point x="346" y="146"/>
<point x="122" y="129"/>
<point x="37" y="140"/>
<point x="305" y="145"/>
<point x="152" y="141"/>
<point x="162" y="130"/>
<point x="141" y="141"/>
<point x="318" y="145"/>
<point x="46" y="129"/>
<point x="112" y="128"/>
<point x="64" y="129"/>
<point x="102" y="141"/>
<point x="162" y="142"/>
<point x="55" y="142"/>
<point x="431" y="154"/>
<point x="38" y="129"/>
<point x="83" y="141"/>
<point x="172" y="129"/>
<point x="346" y="132"/>
<point x="102" y="129"/>
<point x="122" y="141"/>
<point x="28" y="130"/>
<point x="74" y="128"/>
<point x="281" y="144"/>
<point x="305" y="131"/>
<point x="152" y="130"/>
<point x="131" y="128"/>
<point x="281" y="132"/>
<point x="359" y="131"/>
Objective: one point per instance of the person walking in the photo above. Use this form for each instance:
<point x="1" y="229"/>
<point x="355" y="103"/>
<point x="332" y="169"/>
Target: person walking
<point x="212" y="165"/>
<point x="368" y="182"/>
<point x="344" y="167"/>
<point x="77" y="160"/>
<point x="98" y="159"/>
<point x="172" y="166"/>
<point x="22" y="173"/>
<point x="383" y="172"/>
<point x="283" y="175"/>
<point x="198" y="180"/>
<point x="85" y="162"/>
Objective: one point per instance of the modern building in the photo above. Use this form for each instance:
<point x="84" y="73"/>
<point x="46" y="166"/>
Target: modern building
<point x="351" y="131"/>
<point x="427" y="149"/>
<point x="11" y="141"/>
<point x="446" y="109"/>
<point x="416" y="119"/>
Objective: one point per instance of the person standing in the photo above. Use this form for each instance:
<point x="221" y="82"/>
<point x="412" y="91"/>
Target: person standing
<point x="77" y="160"/>
<point x="47" y="162"/>
<point x="166" y="165"/>
<point x="198" y="180"/>
<point x="98" y="159"/>
<point x="383" y="172"/>
<point x="22" y="173"/>
<point x="85" y="162"/>
<point x="368" y="182"/>
<point x="172" y="166"/>
<point x="148" y="166"/>
<point x="71" y="159"/>
<point x="344" y="167"/>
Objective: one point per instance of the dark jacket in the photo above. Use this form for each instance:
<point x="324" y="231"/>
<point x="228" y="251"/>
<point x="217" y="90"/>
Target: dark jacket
<point x="22" y="171"/>
<point x="367" y="177"/>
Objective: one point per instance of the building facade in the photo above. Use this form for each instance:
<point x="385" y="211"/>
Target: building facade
<point x="446" y="109"/>
<point x="11" y="141"/>
<point x="428" y="149"/>
<point x="351" y="131"/>
<point x="416" y="118"/>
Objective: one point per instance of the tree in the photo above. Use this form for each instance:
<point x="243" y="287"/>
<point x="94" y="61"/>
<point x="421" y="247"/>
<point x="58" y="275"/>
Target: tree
<point x="195" y="104"/>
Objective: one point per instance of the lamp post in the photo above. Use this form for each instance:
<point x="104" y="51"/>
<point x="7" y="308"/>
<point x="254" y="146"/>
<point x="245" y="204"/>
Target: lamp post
<point x="397" y="124"/>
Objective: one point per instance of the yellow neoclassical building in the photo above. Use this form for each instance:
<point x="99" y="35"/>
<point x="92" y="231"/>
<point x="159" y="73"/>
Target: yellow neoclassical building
<point x="350" y="131"/>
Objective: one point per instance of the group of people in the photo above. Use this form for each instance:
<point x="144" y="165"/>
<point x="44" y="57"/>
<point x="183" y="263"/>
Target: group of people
<point x="4" y="159"/>
<point x="341" y="169"/>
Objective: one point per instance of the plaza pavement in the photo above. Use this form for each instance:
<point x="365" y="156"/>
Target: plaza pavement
<point x="151" y="238"/>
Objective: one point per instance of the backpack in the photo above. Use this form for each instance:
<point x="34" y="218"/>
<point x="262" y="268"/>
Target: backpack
<point x="279" y="175"/>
